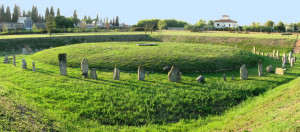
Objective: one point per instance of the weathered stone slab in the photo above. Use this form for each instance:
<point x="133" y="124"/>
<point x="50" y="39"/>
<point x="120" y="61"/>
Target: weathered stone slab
<point x="290" y="56"/>
<point x="6" y="61"/>
<point x="274" y="52"/>
<point x="174" y="74"/>
<point x="85" y="68"/>
<point x="283" y="64"/>
<point x="243" y="72"/>
<point x="232" y="78"/>
<point x="200" y="78"/>
<point x="254" y="50"/>
<point x="24" y="64"/>
<point x="116" y="74"/>
<point x="260" y="68"/>
<point x="24" y="51"/>
<point x="94" y="73"/>
<point x="284" y="58"/>
<point x="279" y="71"/>
<point x="14" y="60"/>
<point x="33" y="66"/>
<point x="292" y="62"/>
<point x="146" y="44"/>
<point x="269" y="69"/>
<point x="277" y="55"/>
<point x="62" y="58"/>
<point x="141" y="73"/>
<point x="167" y="68"/>
<point x="224" y="77"/>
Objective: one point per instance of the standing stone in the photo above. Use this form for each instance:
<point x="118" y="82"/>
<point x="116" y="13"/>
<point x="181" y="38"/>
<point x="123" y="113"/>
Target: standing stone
<point x="244" y="72"/>
<point x="24" y="51"/>
<point x="236" y="46"/>
<point x="269" y="54"/>
<point x="24" y="64"/>
<point x="292" y="62"/>
<point x="147" y="73"/>
<point x="200" y="79"/>
<point x="269" y="68"/>
<point x="174" y="74"/>
<point x="141" y="73"/>
<point x="283" y="64"/>
<point x="232" y="78"/>
<point x="62" y="58"/>
<point x="284" y="58"/>
<point x="224" y="77"/>
<point x="290" y="56"/>
<point x="262" y="53"/>
<point x="279" y="71"/>
<point x="85" y="68"/>
<point x="14" y="60"/>
<point x="277" y="55"/>
<point x="260" y="68"/>
<point x="254" y="50"/>
<point x="6" y="61"/>
<point x="274" y="52"/>
<point x="116" y="74"/>
<point x="33" y="66"/>
<point x="258" y="52"/>
<point x="94" y="73"/>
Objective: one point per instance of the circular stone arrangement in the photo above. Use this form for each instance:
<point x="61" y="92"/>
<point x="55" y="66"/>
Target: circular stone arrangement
<point x="129" y="56"/>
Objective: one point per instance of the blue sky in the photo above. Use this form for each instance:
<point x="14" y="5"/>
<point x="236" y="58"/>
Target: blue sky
<point x="130" y="11"/>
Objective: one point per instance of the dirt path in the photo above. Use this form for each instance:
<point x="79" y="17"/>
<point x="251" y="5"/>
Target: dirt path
<point x="297" y="47"/>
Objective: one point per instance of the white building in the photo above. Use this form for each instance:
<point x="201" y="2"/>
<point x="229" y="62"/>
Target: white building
<point x="225" y="22"/>
<point x="26" y="21"/>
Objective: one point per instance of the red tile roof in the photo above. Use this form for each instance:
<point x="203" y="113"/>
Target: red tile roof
<point x="225" y="20"/>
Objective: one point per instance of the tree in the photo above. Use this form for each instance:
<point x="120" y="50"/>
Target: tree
<point x="117" y="21"/>
<point x="58" y="12"/>
<point x="52" y="11"/>
<point x="63" y="22"/>
<point x="75" y="14"/>
<point x="34" y="28"/>
<point x="16" y="13"/>
<point x="269" y="24"/>
<point x="5" y="29"/>
<point x="280" y="26"/>
<point x="24" y="14"/>
<point x="210" y="24"/>
<point x="161" y="25"/>
<point x="82" y="25"/>
<point x="97" y="18"/>
<point x="7" y="14"/>
<point x="201" y="23"/>
<point x="34" y="14"/>
<point x="146" y="23"/>
<point x="28" y="14"/>
<point x="107" y="24"/>
<point x="113" y="22"/>
<point x="84" y="18"/>
<point x="47" y="12"/>
<point x="2" y="14"/>
<point x="50" y="23"/>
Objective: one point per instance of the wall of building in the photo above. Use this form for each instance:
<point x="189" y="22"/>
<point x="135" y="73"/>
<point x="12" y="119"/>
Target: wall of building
<point x="225" y="24"/>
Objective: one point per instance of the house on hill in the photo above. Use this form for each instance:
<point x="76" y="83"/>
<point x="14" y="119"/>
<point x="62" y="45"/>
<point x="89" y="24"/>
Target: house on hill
<point x="225" y="22"/>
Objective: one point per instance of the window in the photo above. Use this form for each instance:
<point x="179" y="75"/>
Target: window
<point x="229" y="25"/>
<point x="218" y="25"/>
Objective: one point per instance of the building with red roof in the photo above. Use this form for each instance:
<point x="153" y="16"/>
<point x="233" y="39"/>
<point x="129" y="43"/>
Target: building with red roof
<point x="225" y="22"/>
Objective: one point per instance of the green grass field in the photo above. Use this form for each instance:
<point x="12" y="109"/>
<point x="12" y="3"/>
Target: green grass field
<point x="72" y="103"/>
<point x="176" y="33"/>
<point x="127" y="56"/>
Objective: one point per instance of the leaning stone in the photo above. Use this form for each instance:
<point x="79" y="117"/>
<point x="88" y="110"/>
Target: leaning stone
<point x="254" y="50"/>
<point x="283" y="64"/>
<point x="200" y="79"/>
<point x="33" y="66"/>
<point x="279" y="71"/>
<point x="174" y="74"/>
<point x="260" y="68"/>
<point x="94" y="73"/>
<point x="274" y="52"/>
<point x="277" y="55"/>
<point x="232" y="77"/>
<point x="141" y="73"/>
<point x="224" y="77"/>
<point x="290" y="56"/>
<point x="14" y="60"/>
<point x="24" y="64"/>
<point x="85" y="68"/>
<point x="262" y="53"/>
<point x="292" y="62"/>
<point x="269" y="68"/>
<point x="24" y="51"/>
<point x="116" y="74"/>
<point x="6" y="61"/>
<point x="284" y="58"/>
<point x="244" y="72"/>
<point x="62" y="58"/>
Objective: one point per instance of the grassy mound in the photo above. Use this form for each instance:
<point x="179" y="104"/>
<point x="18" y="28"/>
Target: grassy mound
<point x="128" y="56"/>
<point x="73" y="103"/>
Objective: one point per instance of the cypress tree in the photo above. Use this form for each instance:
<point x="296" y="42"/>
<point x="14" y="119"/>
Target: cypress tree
<point x="34" y="14"/>
<point x="2" y="14"/>
<point x="24" y="14"/>
<point x="113" y="23"/>
<point x="15" y="14"/>
<point x="8" y="14"/>
<point x="75" y="14"/>
<point x="47" y="12"/>
<point x="84" y="17"/>
<point x="117" y="21"/>
<point x="58" y="12"/>
<point x="52" y="11"/>
<point x="97" y="18"/>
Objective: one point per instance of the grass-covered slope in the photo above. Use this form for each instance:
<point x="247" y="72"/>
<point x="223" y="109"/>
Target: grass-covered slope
<point x="73" y="103"/>
<point x="128" y="56"/>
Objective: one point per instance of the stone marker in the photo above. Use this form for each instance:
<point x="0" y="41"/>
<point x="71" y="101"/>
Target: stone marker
<point x="174" y="74"/>
<point x="254" y="50"/>
<point x="129" y="73"/>
<point x="277" y="55"/>
<point x="262" y="53"/>
<point x="147" y="73"/>
<point x="24" y="51"/>
<point x="200" y="79"/>
<point x="290" y="56"/>
<point x="260" y="68"/>
<point x="236" y="46"/>
<point x="258" y="52"/>
<point x="292" y="62"/>
<point x="62" y="58"/>
<point x="33" y="66"/>
<point x="284" y="58"/>
<point x="14" y="60"/>
<point x="283" y="64"/>
<point x="24" y="64"/>
<point x="244" y="72"/>
<point x="94" y="73"/>
<point x="85" y="68"/>
<point x="274" y="52"/>
<point x="279" y="71"/>
<point x="141" y="73"/>
<point x="269" y="54"/>
<point x="6" y="61"/>
<point x="167" y="68"/>
<point x="224" y="77"/>
<point x="269" y="68"/>
<point x="116" y="74"/>
<point x="232" y="78"/>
